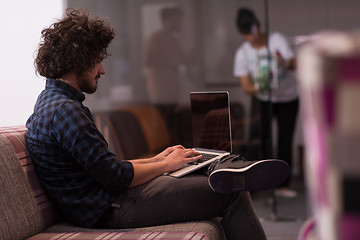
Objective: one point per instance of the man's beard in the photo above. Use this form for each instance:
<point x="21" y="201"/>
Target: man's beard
<point x="86" y="85"/>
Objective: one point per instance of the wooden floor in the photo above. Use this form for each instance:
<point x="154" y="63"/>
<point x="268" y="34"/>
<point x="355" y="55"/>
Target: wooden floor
<point x="290" y="215"/>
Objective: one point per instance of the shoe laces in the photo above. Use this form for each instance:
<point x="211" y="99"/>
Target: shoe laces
<point x="230" y="157"/>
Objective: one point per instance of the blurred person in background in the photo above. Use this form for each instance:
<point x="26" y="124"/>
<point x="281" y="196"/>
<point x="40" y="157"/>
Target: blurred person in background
<point x="163" y="59"/>
<point x="265" y="68"/>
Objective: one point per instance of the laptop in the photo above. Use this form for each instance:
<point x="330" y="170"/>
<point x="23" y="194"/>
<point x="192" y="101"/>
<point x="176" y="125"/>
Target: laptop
<point x="211" y="128"/>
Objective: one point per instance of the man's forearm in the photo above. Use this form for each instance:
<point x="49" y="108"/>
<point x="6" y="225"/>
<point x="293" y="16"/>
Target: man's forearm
<point x="146" y="172"/>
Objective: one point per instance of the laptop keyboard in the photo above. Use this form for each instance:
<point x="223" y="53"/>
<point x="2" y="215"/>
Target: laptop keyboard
<point x="205" y="157"/>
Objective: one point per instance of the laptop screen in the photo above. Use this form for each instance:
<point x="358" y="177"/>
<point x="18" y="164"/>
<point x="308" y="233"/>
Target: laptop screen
<point x="211" y="125"/>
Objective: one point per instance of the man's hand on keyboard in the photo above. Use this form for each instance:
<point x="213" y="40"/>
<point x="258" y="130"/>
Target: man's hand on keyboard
<point x="204" y="158"/>
<point x="179" y="157"/>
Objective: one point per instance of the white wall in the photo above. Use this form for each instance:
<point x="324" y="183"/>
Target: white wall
<point x="21" y="22"/>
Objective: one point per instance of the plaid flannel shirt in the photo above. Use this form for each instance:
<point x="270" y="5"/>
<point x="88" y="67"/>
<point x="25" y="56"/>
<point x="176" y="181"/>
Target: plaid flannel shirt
<point x="71" y="156"/>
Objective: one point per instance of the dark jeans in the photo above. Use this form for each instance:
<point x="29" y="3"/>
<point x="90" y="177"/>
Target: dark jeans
<point x="285" y="114"/>
<point x="167" y="200"/>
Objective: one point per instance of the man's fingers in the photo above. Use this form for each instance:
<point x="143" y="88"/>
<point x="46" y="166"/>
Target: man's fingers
<point x="190" y="152"/>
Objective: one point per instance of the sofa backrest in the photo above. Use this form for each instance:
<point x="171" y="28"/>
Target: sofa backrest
<point x="25" y="209"/>
<point x="134" y="132"/>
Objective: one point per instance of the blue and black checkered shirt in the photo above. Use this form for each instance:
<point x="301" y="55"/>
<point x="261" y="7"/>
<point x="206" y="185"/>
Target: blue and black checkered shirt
<point x="71" y="156"/>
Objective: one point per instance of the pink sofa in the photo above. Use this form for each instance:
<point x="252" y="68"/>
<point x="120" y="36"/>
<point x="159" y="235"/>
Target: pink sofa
<point x="27" y="213"/>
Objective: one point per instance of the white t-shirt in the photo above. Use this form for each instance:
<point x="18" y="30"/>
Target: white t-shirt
<point x="251" y="61"/>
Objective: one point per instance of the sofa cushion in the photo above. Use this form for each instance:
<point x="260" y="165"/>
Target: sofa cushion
<point x="122" y="235"/>
<point x="25" y="208"/>
<point x="211" y="228"/>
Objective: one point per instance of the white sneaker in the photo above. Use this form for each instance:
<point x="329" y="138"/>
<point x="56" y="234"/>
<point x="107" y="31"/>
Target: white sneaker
<point x="285" y="192"/>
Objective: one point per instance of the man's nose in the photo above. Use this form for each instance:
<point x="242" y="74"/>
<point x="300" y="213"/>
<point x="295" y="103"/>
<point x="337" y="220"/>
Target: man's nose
<point x="102" y="69"/>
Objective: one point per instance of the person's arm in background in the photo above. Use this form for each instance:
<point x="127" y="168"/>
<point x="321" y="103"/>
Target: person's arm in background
<point x="286" y="64"/>
<point x="242" y="71"/>
<point x="285" y="51"/>
<point x="247" y="85"/>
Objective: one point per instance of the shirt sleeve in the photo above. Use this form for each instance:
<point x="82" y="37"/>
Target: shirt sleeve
<point x="241" y="67"/>
<point x="77" y="133"/>
<point x="281" y="44"/>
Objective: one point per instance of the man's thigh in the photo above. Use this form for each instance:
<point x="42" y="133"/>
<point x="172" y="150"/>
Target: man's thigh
<point x="166" y="200"/>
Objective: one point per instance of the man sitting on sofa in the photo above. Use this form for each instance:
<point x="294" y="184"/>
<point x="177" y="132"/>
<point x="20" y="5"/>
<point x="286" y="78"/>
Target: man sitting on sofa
<point x="92" y="187"/>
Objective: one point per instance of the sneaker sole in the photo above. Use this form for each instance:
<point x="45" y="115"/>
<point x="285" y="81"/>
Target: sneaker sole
<point x="262" y="175"/>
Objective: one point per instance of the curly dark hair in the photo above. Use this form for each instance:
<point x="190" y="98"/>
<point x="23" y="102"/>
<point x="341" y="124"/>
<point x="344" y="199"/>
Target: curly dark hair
<point x="74" y="43"/>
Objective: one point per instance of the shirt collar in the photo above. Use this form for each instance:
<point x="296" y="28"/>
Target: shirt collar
<point x="65" y="88"/>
